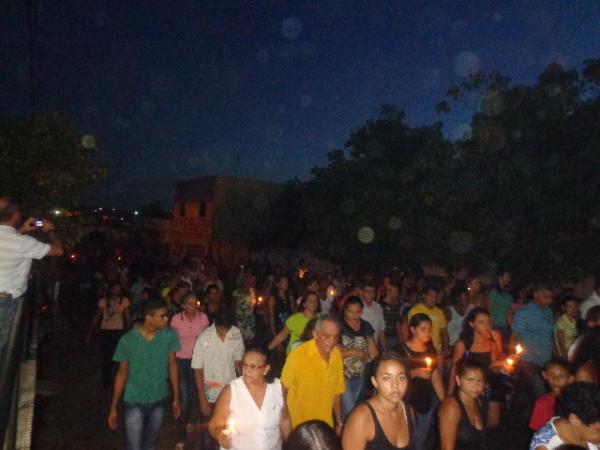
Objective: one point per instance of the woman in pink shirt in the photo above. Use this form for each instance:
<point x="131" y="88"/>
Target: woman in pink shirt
<point x="188" y="325"/>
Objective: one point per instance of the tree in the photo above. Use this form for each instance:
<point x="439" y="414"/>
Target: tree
<point x="45" y="162"/>
<point x="521" y="191"/>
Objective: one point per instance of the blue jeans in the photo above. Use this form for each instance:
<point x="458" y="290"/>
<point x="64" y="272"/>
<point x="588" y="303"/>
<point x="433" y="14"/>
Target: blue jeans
<point x="142" y="424"/>
<point x="8" y="312"/>
<point x="423" y="425"/>
<point x="187" y="395"/>
<point x="350" y="395"/>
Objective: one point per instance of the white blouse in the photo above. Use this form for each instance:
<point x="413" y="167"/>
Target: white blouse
<point x="256" y="429"/>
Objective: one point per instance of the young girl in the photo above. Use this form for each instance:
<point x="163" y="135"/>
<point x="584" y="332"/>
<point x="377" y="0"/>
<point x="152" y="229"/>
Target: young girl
<point x="565" y="328"/>
<point x="385" y="421"/>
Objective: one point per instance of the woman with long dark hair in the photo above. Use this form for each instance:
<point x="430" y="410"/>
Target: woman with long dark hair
<point x="480" y="343"/>
<point x="357" y="345"/>
<point x="295" y="324"/>
<point x="281" y="304"/>
<point x="385" y="421"/>
<point x="426" y="388"/>
<point x="462" y="417"/>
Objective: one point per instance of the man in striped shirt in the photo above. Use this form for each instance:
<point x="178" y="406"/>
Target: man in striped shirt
<point x="17" y="250"/>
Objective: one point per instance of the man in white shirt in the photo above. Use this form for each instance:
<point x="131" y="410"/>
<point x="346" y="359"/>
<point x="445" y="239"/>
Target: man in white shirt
<point x="216" y="360"/>
<point x="372" y="312"/>
<point x="17" y="251"/>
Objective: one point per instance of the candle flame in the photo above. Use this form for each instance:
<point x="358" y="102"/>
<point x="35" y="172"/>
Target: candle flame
<point x="510" y="362"/>
<point x="518" y="349"/>
<point x="428" y="361"/>
<point x="230" y="427"/>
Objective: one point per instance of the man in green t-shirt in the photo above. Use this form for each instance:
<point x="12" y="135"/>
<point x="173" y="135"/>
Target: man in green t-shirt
<point x="146" y="357"/>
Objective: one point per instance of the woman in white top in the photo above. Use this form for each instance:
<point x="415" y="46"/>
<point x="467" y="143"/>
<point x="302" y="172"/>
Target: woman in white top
<point x="249" y="412"/>
<point x="113" y="318"/>
<point x="577" y="420"/>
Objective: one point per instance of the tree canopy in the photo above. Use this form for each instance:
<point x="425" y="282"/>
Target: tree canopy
<point x="45" y="162"/>
<point x="519" y="191"/>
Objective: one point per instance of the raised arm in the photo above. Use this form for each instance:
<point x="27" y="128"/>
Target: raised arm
<point x="279" y="338"/>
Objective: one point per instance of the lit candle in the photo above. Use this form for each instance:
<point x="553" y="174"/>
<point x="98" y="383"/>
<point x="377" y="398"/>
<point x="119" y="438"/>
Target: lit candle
<point x="260" y="300"/>
<point x="518" y="349"/>
<point x="230" y="428"/>
<point x="510" y="362"/>
<point x="332" y="293"/>
<point x="428" y="361"/>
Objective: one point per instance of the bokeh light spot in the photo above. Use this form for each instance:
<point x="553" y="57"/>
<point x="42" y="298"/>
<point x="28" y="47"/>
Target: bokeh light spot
<point x="366" y="235"/>
<point x="395" y="223"/>
<point x="88" y="141"/>
<point x="466" y="63"/>
<point x="291" y="28"/>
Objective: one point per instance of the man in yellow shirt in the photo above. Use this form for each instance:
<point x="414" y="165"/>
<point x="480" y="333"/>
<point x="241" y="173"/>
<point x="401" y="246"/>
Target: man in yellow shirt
<point x="313" y="377"/>
<point x="439" y="326"/>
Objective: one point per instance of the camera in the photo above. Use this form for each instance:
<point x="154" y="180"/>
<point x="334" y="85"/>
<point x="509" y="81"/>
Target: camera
<point x="38" y="222"/>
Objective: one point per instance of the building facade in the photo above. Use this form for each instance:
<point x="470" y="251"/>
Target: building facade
<point x="219" y="215"/>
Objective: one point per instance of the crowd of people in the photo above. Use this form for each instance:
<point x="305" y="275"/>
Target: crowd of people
<point x="401" y="360"/>
<point x="262" y="357"/>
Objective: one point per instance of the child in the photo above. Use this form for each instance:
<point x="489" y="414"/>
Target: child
<point x="565" y="328"/>
<point x="520" y="300"/>
<point x="557" y="374"/>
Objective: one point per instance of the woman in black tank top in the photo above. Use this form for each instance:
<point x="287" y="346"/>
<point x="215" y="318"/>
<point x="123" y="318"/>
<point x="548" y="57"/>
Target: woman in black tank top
<point x="385" y="421"/>
<point x="462" y="419"/>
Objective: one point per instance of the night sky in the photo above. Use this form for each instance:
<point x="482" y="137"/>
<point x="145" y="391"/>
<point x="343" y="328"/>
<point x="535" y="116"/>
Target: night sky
<point x="177" y="89"/>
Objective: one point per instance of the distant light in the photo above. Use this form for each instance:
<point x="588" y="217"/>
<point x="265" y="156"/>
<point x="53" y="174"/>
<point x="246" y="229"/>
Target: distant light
<point x="57" y="212"/>
<point x="135" y="213"/>
<point x="100" y="208"/>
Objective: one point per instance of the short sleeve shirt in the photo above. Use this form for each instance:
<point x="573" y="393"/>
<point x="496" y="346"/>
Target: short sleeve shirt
<point x="534" y="326"/>
<point x="217" y="359"/>
<point x="374" y="315"/>
<point x="312" y="383"/>
<point x="569" y="326"/>
<point x="438" y="322"/>
<point x="16" y="253"/>
<point x="188" y="331"/>
<point x="113" y="313"/>
<point x="500" y="307"/>
<point x="351" y="339"/>
<point x="148" y="364"/>
<point x="296" y="324"/>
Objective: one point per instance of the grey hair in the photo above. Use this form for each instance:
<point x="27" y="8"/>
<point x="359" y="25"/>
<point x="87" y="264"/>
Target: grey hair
<point x="325" y="318"/>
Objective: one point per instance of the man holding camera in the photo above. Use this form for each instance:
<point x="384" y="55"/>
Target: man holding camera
<point x="17" y="251"/>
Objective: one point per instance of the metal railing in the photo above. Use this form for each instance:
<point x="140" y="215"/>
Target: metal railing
<point x="16" y="352"/>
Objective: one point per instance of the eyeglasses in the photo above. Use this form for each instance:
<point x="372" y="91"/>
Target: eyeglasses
<point x="253" y="366"/>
